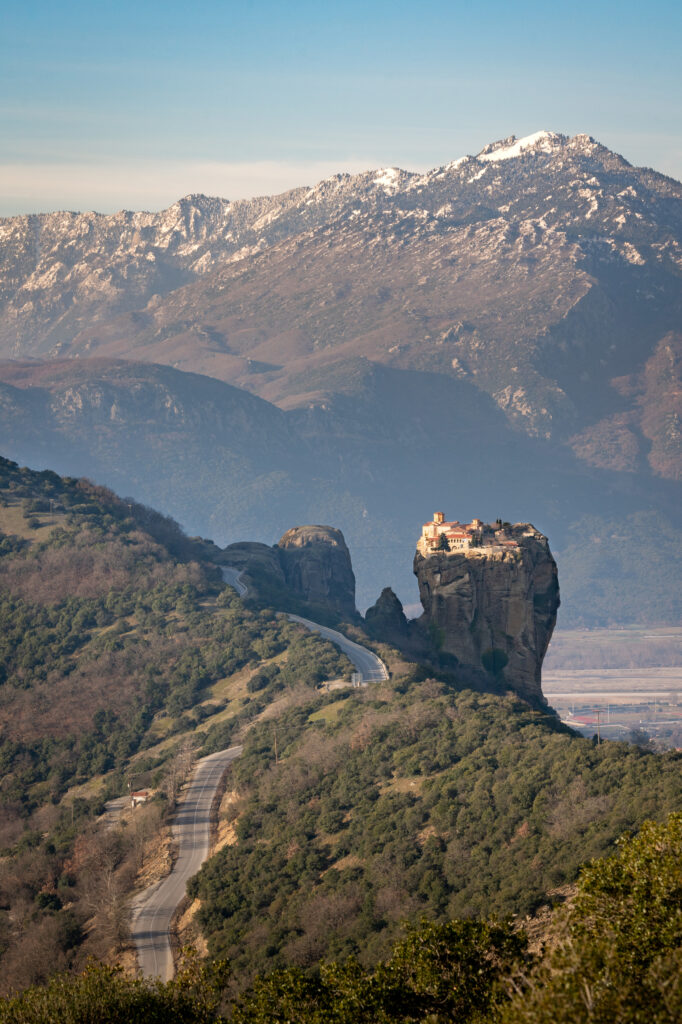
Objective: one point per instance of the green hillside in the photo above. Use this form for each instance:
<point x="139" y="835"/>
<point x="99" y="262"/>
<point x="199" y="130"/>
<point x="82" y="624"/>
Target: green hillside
<point x="118" y="644"/>
<point x="411" y="800"/>
<point x="120" y="647"/>
<point x="612" y="955"/>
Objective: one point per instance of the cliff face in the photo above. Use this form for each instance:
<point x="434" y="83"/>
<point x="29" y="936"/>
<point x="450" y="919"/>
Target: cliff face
<point x="316" y="564"/>
<point x="386" y="619"/>
<point x="493" y="609"/>
<point x="252" y="557"/>
<point x="312" y="561"/>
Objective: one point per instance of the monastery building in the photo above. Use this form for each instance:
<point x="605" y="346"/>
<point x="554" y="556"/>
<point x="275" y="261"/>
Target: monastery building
<point x="441" y="536"/>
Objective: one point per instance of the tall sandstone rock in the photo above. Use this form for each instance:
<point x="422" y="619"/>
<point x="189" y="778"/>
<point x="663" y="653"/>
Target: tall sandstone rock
<point x="493" y="608"/>
<point x="316" y="564"/>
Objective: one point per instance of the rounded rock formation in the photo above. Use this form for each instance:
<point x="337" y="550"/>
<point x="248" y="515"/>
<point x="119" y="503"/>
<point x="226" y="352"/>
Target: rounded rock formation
<point x="316" y="564"/>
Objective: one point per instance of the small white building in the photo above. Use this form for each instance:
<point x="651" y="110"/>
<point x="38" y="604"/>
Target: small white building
<point x="140" y="796"/>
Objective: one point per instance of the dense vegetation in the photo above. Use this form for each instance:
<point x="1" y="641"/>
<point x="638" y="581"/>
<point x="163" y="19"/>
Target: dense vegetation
<point x="105" y="995"/>
<point x="618" y="952"/>
<point x="98" y="598"/>
<point x="408" y="800"/>
<point x="114" y="638"/>
<point x="614" y="954"/>
<point x="356" y="810"/>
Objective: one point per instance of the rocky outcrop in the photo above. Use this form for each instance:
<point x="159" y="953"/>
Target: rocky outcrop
<point x="316" y="564"/>
<point x="385" y="619"/>
<point x="256" y="560"/>
<point x="311" y="561"/>
<point x="493" y="609"/>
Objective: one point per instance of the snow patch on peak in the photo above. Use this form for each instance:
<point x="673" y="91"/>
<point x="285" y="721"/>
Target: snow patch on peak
<point x="436" y="173"/>
<point x="507" y="149"/>
<point x="476" y="176"/>
<point x="584" y="142"/>
<point x="387" y="177"/>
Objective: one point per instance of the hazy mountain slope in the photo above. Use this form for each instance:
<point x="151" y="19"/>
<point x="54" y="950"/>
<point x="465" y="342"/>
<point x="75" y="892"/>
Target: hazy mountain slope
<point x="153" y="432"/>
<point x="540" y="271"/>
<point x="380" y="449"/>
<point x="401" y="323"/>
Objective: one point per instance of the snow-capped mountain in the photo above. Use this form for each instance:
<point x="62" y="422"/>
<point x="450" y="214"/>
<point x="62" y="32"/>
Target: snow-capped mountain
<point x="545" y="270"/>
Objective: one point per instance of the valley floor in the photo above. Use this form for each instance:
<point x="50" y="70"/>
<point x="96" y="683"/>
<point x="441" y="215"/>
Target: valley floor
<point x="616" y="681"/>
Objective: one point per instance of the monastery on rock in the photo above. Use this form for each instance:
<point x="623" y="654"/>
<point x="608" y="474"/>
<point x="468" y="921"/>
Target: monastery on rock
<point x="452" y="537"/>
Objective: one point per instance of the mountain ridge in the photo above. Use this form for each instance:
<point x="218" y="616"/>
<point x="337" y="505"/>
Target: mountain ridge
<point x="541" y="275"/>
<point x="505" y="331"/>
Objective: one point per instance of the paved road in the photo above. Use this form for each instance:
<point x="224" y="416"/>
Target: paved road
<point x="233" y="577"/>
<point x="114" y="810"/>
<point x="370" y="667"/>
<point x="156" y="905"/>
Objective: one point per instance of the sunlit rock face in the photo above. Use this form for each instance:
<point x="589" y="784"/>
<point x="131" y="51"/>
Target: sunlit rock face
<point x="493" y="607"/>
<point x="316" y="564"/>
<point x="313" y="562"/>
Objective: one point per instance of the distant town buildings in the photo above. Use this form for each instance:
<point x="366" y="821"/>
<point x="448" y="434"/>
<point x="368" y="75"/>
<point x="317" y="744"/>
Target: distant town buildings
<point x="440" y="535"/>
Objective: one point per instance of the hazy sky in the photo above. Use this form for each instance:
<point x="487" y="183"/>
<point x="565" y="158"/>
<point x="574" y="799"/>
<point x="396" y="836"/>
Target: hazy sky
<point x="132" y="104"/>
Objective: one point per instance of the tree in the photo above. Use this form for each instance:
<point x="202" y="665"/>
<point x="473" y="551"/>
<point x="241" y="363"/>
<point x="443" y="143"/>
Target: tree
<point x="177" y="772"/>
<point x="620" y="957"/>
<point x="104" y="994"/>
<point x="440" y="973"/>
<point x="452" y="971"/>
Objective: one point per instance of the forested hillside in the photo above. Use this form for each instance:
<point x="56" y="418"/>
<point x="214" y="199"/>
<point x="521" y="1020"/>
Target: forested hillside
<point x="612" y="954"/>
<point x="122" y="653"/>
<point x="115" y="639"/>
<point x="406" y="800"/>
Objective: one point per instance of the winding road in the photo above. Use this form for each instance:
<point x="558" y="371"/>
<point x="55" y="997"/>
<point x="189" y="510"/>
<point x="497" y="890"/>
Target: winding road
<point x="233" y="577"/>
<point x="155" y="907"/>
<point x="191" y="829"/>
<point x="368" y="665"/>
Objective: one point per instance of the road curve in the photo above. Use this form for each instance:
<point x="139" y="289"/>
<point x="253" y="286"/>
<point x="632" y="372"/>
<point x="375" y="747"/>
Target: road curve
<point x="233" y="577"/>
<point x="191" y="825"/>
<point x="154" y="908"/>
<point x="368" y="665"/>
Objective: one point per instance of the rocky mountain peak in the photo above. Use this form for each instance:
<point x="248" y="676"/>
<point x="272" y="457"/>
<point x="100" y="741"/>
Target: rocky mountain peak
<point x="316" y="564"/>
<point x="511" y="147"/>
<point x="539" y="270"/>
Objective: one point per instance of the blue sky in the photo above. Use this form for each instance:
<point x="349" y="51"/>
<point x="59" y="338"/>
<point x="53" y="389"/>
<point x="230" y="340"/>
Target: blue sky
<point x="110" y="104"/>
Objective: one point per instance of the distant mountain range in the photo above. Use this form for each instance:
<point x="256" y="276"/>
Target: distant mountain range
<point x="502" y="335"/>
